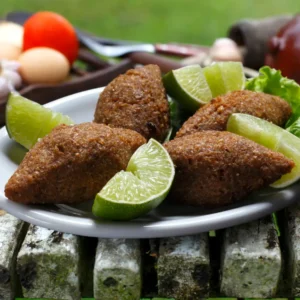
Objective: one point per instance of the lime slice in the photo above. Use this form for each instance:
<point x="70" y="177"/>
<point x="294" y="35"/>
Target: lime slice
<point x="233" y="75"/>
<point x="188" y="86"/>
<point x="214" y="78"/>
<point x="142" y="187"/>
<point x="27" y="121"/>
<point x="224" y="77"/>
<point x="272" y="137"/>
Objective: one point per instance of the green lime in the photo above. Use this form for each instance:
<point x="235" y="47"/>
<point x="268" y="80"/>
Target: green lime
<point x="224" y="77"/>
<point x="233" y="75"/>
<point x="142" y="187"/>
<point x="27" y="121"/>
<point x="272" y="137"/>
<point x="214" y="78"/>
<point x="188" y="86"/>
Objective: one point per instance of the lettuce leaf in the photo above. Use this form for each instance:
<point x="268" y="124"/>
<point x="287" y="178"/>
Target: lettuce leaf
<point x="295" y="128"/>
<point x="177" y="117"/>
<point x="272" y="82"/>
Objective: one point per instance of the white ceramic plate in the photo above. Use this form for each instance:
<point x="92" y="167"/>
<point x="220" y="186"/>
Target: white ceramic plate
<point x="167" y="220"/>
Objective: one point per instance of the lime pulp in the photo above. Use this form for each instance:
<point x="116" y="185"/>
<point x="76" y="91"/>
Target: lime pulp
<point x="188" y="86"/>
<point x="28" y="121"/>
<point x="142" y="187"/>
<point x="272" y="137"/>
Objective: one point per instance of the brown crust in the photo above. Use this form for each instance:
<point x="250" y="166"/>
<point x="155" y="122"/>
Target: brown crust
<point x="214" y="115"/>
<point x="136" y="100"/>
<point x="72" y="163"/>
<point x="215" y="168"/>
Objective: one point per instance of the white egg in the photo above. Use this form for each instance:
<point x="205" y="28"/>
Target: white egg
<point x="43" y="65"/>
<point x="11" y="33"/>
<point x="9" y="51"/>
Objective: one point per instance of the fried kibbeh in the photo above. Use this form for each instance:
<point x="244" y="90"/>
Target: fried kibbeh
<point x="136" y="100"/>
<point x="217" y="168"/>
<point x="214" y="115"/>
<point x="72" y="164"/>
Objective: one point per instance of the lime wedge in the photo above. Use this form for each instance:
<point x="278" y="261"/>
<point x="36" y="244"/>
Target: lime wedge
<point x="27" y="121"/>
<point x="142" y="187"/>
<point x="188" y="86"/>
<point x="233" y="75"/>
<point x="214" y="78"/>
<point x="272" y="137"/>
<point x="224" y="77"/>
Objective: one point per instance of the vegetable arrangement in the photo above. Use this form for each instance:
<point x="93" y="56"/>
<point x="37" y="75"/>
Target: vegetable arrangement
<point x="40" y="52"/>
<point x="272" y="82"/>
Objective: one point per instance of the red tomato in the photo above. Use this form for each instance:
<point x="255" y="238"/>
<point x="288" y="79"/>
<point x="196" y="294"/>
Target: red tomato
<point x="48" y="29"/>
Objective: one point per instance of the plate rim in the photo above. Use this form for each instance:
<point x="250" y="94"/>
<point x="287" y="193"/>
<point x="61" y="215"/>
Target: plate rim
<point x="178" y="227"/>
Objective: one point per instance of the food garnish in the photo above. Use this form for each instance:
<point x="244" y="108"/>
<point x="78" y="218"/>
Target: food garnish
<point x="28" y="121"/>
<point x="295" y="128"/>
<point x="224" y="77"/>
<point x="214" y="78"/>
<point x="142" y="187"/>
<point x="272" y="137"/>
<point x="193" y="86"/>
<point x="270" y="81"/>
<point x="188" y="86"/>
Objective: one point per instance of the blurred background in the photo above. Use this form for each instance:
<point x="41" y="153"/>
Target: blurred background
<point x="187" y="21"/>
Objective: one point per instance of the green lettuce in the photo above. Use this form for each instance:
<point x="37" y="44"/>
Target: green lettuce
<point x="295" y="128"/>
<point x="272" y="82"/>
<point x="177" y="117"/>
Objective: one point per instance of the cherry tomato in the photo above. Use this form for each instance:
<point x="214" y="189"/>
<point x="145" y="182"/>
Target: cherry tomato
<point x="48" y="29"/>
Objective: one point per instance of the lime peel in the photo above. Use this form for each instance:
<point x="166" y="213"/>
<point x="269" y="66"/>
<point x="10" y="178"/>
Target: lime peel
<point x="28" y="121"/>
<point x="225" y="77"/>
<point x="142" y="187"/>
<point x="188" y="86"/>
<point x="272" y="137"/>
<point x="193" y="86"/>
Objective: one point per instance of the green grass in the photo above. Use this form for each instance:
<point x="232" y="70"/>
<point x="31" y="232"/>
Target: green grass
<point x="190" y="21"/>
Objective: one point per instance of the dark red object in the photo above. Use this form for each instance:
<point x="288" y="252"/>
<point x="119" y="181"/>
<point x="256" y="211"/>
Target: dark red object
<point x="284" y="50"/>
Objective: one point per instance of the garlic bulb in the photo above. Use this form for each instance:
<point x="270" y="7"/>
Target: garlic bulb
<point x="225" y="49"/>
<point x="12" y="65"/>
<point x="4" y="87"/>
<point x="10" y="79"/>
<point x="13" y="77"/>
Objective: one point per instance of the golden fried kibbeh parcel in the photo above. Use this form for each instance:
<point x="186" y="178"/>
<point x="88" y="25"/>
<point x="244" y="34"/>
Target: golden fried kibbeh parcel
<point x="214" y="115"/>
<point x="72" y="163"/>
<point x="216" y="168"/>
<point x="136" y="100"/>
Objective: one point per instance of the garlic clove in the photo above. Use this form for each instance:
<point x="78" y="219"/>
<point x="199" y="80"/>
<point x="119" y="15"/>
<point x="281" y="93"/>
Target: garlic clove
<point x="4" y="87"/>
<point x="13" y="77"/>
<point x="225" y="49"/>
<point x="12" y="65"/>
